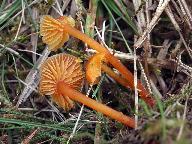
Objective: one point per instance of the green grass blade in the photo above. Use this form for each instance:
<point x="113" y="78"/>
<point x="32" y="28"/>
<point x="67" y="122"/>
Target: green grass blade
<point x="8" y="13"/>
<point x="3" y="83"/>
<point x="110" y="13"/>
<point x="113" y="7"/>
<point x="33" y="124"/>
<point x="161" y="109"/>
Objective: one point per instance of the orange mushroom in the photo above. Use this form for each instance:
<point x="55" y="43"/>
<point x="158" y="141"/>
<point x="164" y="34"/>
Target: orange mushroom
<point x="52" y="31"/>
<point x="61" y="67"/>
<point x="61" y="76"/>
<point x="49" y="24"/>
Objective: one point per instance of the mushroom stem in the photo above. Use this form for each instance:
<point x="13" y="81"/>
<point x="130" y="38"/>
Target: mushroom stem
<point x="77" y="96"/>
<point x="115" y="76"/>
<point x="124" y="82"/>
<point x="110" y="58"/>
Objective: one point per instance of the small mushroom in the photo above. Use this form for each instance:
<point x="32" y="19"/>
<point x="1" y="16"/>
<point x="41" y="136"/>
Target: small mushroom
<point x="61" y="77"/>
<point x="61" y="67"/>
<point x="52" y="32"/>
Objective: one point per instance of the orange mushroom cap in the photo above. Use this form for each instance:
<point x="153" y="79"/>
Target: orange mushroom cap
<point x="93" y="67"/>
<point x="52" y="31"/>
<point x="61" y="67"/>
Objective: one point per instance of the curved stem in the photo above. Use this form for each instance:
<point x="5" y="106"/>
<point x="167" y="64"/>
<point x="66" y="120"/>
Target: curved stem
<point x="115" y="76"/>
<point x="65" y="90"/>
<point x="110" y="58"/>
<point x="124" y="82"/>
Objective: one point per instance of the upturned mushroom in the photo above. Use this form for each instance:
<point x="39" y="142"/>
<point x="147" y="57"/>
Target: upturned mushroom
<point x="61" y="77"/>
<point x="49" y="24"/>
<point x="96" y="64"/>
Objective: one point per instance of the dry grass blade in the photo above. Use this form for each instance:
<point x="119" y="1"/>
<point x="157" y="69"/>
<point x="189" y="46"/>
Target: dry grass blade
<point x="34" y="36"/>
<point x="187" y="11"/>
<point x="29" y="137"/>
<point x="176" y="25"/>
<point x="160" y="29"/>
<point x="32" y="78"/>
<point x="161" y="7"/>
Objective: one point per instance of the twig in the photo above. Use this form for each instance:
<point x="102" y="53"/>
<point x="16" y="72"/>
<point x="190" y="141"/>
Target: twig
<point x="118" y="54"/>
<point x="136" y="90"/>
<point x="10" y="50"/>
<point x="188" y="12"/>
<point x="30" y="52"/>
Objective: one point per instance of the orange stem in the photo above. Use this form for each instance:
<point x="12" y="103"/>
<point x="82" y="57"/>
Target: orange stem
<point x="115" y="76"/>
<point x="110" y="58"/>
<point x="64" y="89"/>
<point x="123" y="82"/>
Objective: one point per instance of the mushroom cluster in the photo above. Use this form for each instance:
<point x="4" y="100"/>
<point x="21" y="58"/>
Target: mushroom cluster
<point x="55" y="33"/>
<point x="64" y="26"/>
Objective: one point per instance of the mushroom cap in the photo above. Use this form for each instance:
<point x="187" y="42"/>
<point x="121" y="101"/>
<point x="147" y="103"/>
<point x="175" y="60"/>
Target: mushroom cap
<point x="61" y="67"/>
<point x="52" y="31"/>
<point x="93" y="68"/>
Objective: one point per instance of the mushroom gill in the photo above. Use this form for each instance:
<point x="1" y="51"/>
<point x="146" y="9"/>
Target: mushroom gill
<point x="52" y="31"/>
<point x="61" y="67"/>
